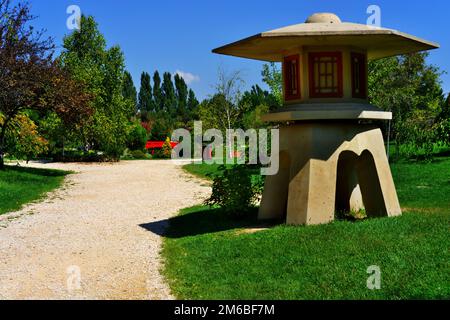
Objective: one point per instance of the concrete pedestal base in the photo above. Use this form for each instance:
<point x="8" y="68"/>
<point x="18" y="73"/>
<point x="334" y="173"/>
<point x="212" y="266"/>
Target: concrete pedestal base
<point x="326" y="168"/>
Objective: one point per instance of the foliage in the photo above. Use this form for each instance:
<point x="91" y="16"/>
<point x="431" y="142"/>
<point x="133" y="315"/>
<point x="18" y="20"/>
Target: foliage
<point x="182" y="96"/>
<point x="411" y="89"/>
<point x="137" y="137"/>
<point x="167" y="149"/>
<point x="157" y="92"/>
<point x="29" y="77"/>
<point x="258" y="97"/>
<point x="24" y="140"/>
<point x="234" y="191"/>
<point x="162" y="126"/>
<point x="273" y="77"/>
<point x="169" y="102"/>
<point x="129" y="90"/>
<point x="86" y="57"/>
<point x="252" y="119"/>
<point x="138" y="154"/>
<point x="145" y="94"/>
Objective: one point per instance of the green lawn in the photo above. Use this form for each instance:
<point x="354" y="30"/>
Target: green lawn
<point x="201" y="170"/>
<point x="19" y="186"/>
<point x="209" y="257"/>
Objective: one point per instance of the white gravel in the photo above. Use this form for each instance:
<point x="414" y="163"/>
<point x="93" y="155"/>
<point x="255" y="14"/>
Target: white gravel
<point x="90" y="229"/>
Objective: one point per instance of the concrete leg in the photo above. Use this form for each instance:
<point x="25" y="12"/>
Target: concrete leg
<point x="276" y="188"/>
<point x="312" y="193"/>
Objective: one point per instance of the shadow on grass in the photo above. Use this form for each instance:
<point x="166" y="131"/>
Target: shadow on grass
<point x="202" y="220"/>
<point x="37" y="171"/>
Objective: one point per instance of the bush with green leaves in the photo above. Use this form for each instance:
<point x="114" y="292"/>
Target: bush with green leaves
<point x="137" y="137"/>
<point x="443" y="132"/>
<point x="235" y="190"/>
<point x="138" y="154"/>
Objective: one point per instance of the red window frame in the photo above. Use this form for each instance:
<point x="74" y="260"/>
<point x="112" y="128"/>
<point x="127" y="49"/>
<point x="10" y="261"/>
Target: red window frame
<point x="359" y="75"/>
<point x="292" y="89"/>
<point x="336" y="67"/>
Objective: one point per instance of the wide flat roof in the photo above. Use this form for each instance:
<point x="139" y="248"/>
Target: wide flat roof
<point x="379" y="42"/>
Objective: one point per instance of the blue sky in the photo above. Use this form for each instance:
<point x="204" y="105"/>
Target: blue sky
<point x="178" y="35"/>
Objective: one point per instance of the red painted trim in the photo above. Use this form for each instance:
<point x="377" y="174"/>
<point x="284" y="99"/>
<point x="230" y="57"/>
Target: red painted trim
<point x="362" y="76"/>
<point x="312" y="91"/>
<point x="288" y="77"/>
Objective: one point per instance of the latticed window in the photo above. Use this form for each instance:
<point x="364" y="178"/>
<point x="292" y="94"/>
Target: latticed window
<point x="325" y="75"/>
<point x="292" y="77"/>
<point x="359" y="76"/>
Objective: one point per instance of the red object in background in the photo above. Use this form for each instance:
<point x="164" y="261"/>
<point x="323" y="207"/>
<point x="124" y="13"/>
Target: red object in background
<point x="159" y="144"/>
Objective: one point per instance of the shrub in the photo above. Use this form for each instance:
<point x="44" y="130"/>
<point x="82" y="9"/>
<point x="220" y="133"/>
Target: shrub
<point x="443" y="132"/>
<point x="137" y="137"/>
<point x="167" y="149"/>
<point x="24" y="140"/>
<point x="235" y="191"/>
<point x="138" y="154"/>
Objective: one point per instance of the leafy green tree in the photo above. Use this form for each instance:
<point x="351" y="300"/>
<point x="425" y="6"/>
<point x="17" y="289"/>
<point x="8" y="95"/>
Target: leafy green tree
<point x="410" y="88"/>
<point x="145" y="94"/>
<point x="129" y="90"/>
<point x="86" y="57"/>
<point x="218" y="112"/>
<point x="273" y="77"/>
<point x="157" y="92"/>
<point x="24" y="140"/>
<point x="445" y="110"/>
<point x="137" y="137"/>
<point x="162" y="127"/>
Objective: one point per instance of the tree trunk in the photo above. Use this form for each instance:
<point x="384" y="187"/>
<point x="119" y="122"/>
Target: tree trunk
<point x="2" y="162"/>
<point x="2" y="144"/>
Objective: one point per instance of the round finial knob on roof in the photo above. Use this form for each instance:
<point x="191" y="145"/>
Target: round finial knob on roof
<point x="323" y="18"/>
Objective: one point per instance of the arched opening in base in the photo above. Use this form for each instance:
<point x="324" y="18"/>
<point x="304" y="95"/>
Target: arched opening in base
<point x="358" y="189"/>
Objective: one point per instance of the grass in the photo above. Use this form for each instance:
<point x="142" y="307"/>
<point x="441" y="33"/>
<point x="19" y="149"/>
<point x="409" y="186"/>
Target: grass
<point x="19" y="186"/>
<point x="208" y="256"/>
<point x="202" y="170"/>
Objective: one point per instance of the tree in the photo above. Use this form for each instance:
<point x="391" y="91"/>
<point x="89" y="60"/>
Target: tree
<point x="157" y="92"/>
<point x="410" y="88"/>
<point x="182" y="97"/>
<point x="273" y="77"/>
<point x="192" y="104"/>
<point x="86" y="57"/>
<point x="166" y="150"/>
<point x="168" y="93"/>
<point x="129" y="90"/>
<point x="145" y="94"/>
<point x="228" y="98"/>
<point x="23" y="139"/>
<point x="29" y="77"/>
<point x="137" y="137"/>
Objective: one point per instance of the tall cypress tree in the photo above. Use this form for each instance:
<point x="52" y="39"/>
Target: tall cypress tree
<point x="182" y="97"/>
<point x="169" y="97"/>
<point x="192" y="105"/>
<point x="157" y="92"/>
<point x="145" y="94"/>
<point x="129" y="90"/>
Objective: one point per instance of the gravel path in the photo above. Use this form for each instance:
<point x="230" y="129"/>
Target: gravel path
<point x="90" y="230"/>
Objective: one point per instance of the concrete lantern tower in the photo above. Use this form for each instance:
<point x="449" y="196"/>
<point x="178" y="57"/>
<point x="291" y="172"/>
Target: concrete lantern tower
<point x="332" y="157"/>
